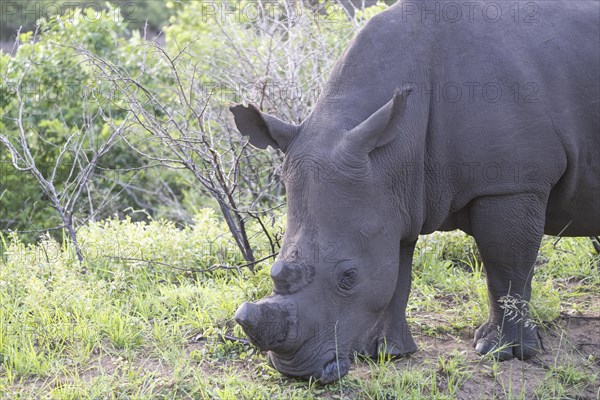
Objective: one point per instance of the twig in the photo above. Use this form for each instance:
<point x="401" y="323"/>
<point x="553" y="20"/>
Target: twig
<point x="230" y="338"/>
<point x="199" y="270"/>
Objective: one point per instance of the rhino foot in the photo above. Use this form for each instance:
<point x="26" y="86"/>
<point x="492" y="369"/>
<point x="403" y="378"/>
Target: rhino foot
<point x="395" y="343"/>
<point x="396" y="339"/>
<point x="396" y="348"/>
<point x="509" y="341"/>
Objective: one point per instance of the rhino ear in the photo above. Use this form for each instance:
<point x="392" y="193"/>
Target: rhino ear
<point x="380" y="128"/>
<point x="263" y="129"/>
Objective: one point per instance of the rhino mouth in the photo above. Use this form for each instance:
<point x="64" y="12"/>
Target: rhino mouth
<point x="333" y="368"/>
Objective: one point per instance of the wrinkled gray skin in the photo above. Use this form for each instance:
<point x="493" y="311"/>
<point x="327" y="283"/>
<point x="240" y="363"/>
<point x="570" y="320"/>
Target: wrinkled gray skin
<point x="381" y="160"/>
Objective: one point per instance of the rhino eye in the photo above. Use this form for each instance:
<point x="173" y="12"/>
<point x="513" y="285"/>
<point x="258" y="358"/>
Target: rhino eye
<point x="346" y="277"/>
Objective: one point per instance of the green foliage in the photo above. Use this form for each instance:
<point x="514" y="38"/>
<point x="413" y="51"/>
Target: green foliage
<point x="53" y="86"/>
<point x="24" y="14"/>
<point x="269" y="56"/>
<point x="153" y="315"/>
<point x="70" y="73"/>
<point x="68" y="110"/>
<point x="149" y="319"/>
<point x="450" y="278"/>
<point x="130" y="297"/>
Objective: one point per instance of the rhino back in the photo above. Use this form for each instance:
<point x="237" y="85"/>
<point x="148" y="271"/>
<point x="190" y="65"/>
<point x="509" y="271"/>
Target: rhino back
<point x="500" y="105"/>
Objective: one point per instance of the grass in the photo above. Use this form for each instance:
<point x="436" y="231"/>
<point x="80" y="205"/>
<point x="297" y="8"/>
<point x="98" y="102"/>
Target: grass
<point x="136" y="329"/>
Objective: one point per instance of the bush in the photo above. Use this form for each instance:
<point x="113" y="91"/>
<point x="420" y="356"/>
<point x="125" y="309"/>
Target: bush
<point x="23" y="14"/>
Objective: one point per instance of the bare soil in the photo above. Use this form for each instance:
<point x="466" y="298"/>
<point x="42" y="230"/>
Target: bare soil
<point x="571" y="341"/>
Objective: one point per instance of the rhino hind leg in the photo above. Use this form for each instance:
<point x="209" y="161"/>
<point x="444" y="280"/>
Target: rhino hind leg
<point x="508" y="231"/>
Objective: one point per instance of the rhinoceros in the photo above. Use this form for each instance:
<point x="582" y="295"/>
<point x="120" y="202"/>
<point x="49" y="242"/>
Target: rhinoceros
<point x="484" y="119"/>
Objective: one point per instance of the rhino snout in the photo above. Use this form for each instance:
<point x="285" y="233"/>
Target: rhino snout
<point x="269" y="323"/>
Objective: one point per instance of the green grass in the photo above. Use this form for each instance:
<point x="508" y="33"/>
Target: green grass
<point x="136" y="329"/>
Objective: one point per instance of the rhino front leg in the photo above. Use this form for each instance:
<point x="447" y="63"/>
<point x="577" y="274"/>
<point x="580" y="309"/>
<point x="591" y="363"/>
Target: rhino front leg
<point x="508" y="230"/>
<point x="392" y="336"/>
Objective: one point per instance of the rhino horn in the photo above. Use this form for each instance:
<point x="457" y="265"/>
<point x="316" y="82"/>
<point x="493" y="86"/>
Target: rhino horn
<point x="290" y="277"/>
<point x="267" y="324"/>
<point x="281" y="274"/>
<point x="246" y="316"/>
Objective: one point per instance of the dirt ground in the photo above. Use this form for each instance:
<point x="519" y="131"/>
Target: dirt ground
<point x="572" y="340"/>
<point x="572" y="343"/>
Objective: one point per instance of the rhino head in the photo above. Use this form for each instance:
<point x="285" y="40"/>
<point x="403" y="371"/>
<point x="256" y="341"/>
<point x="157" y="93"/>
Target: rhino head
<point x="338" y="266"/>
